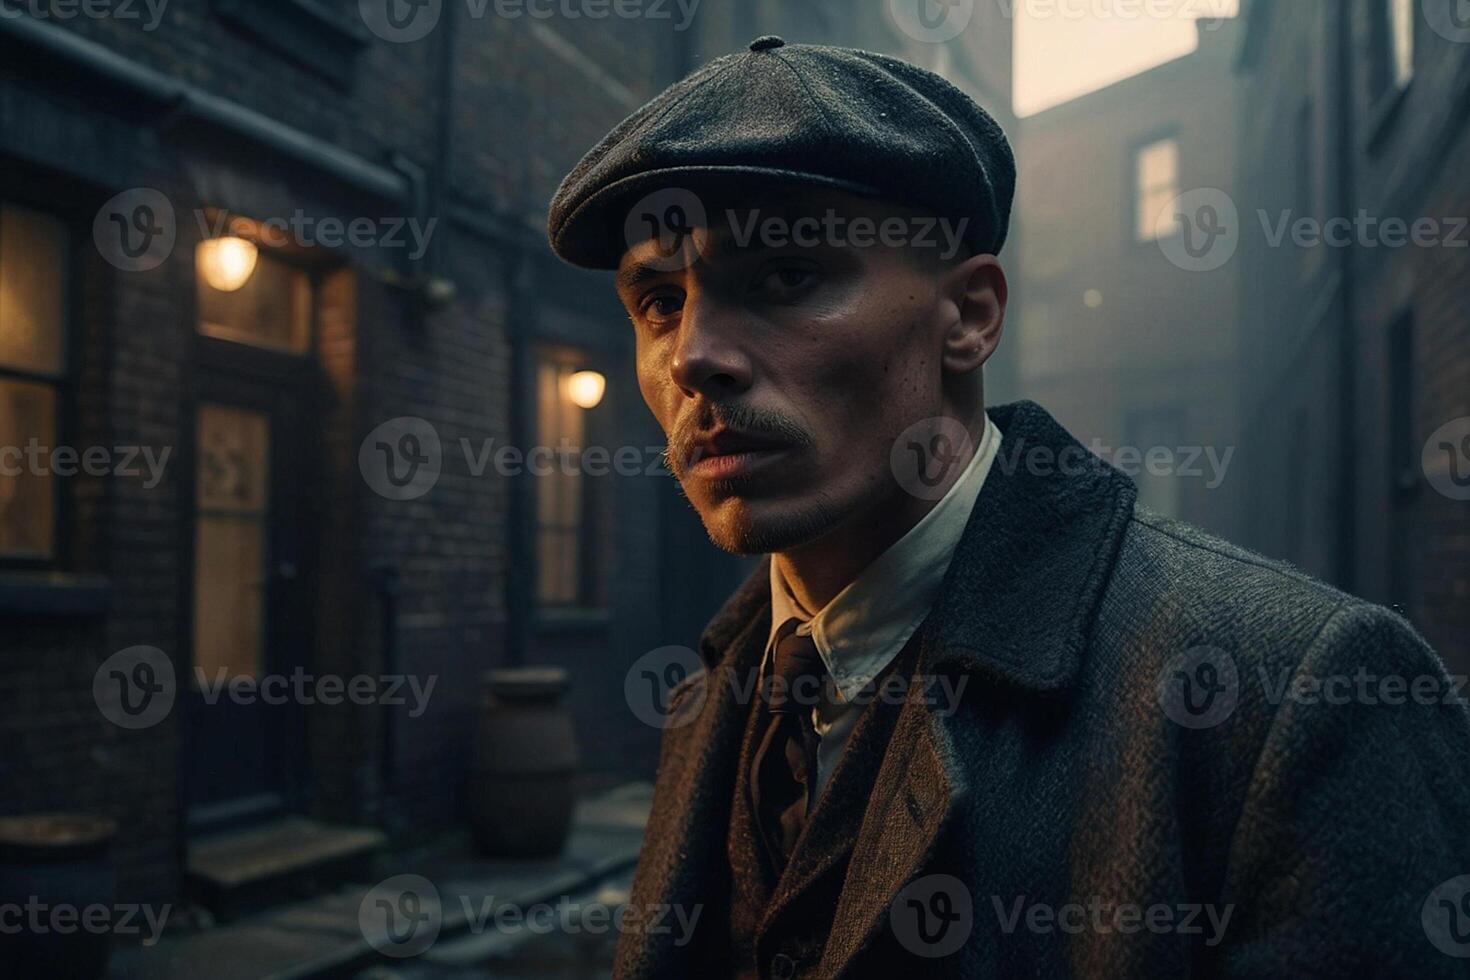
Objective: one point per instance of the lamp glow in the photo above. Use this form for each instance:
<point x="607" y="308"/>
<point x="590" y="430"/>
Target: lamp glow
<point x="585" y="388"/>
<point x="226" y="263"/>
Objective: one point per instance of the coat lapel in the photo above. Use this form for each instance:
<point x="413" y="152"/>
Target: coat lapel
<point x="1013" y="612"/>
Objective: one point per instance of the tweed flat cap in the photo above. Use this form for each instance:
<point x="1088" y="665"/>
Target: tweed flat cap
<point x="837" y="117"/>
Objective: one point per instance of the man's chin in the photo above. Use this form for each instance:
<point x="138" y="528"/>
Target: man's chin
<point x="744" y="527"/>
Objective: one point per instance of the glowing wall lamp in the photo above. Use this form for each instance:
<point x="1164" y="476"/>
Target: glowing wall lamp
<point x="226" y="263"/>
<point x="585" y="388"/>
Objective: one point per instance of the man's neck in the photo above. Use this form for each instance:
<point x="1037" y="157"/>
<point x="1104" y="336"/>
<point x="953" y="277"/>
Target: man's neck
<point x="819" y="569"/>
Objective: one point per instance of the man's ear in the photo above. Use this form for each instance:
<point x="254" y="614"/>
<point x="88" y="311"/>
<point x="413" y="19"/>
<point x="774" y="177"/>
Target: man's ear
<point x="977" y="291"/>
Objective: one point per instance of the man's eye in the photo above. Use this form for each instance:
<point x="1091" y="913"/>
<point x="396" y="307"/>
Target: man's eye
<point x="786" y="278"/>
<point x="660" y="306"/>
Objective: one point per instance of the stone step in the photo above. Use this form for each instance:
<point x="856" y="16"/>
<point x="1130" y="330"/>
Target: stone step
<point x="245" y="870"/>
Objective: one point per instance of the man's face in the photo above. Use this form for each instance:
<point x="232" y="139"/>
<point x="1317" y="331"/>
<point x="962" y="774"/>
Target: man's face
<point x="782" y="374"/>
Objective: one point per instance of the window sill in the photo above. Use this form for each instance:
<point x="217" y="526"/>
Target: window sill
<point x="53" y="594"/>
<point x="572" y="620"/>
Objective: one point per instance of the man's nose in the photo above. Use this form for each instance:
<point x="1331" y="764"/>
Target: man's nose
<point x="710" y="357"/>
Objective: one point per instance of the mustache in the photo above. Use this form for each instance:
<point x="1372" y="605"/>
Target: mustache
<point x="746" y="419"/>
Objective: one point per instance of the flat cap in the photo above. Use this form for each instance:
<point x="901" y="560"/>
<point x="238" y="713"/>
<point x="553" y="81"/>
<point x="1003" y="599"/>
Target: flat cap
<point x="807" y="113"/>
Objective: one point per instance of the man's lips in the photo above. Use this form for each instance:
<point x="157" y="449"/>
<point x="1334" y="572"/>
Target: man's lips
<point x="726" y="453"/>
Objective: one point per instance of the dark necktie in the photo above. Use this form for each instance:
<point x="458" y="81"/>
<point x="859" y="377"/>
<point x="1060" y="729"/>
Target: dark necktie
<point x="783" y="772"/>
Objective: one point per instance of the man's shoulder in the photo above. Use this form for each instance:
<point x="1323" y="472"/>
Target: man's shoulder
<point x="1184" y="588"/>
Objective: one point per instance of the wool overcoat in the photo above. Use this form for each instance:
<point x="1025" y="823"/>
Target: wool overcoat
<point x="1168" y="757"/>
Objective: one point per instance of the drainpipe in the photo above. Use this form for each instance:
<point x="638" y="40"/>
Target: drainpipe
<point x="519" y="284"/>
<point x="185" y="101"/>
<point x="1348" y="435"/>
<point x="384" y="580"/>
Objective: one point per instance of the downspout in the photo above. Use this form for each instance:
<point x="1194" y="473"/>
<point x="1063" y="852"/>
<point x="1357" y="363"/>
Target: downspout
<point x="519" y="283"/>
<point x="186" y="101"/>
<point x="1348" y="435"/>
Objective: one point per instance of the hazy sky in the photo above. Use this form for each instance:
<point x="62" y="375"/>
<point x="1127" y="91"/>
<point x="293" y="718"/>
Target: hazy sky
<point x="1065" y="48"/>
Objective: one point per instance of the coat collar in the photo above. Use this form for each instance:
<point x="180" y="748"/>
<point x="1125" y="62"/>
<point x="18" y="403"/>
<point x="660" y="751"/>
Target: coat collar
<point x="1042" y="536"/>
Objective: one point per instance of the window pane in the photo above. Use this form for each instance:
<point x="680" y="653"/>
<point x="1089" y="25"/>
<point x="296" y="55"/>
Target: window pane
<point x="27" y="488"/>
<point x="230" y="541"/>
<point x="272" y="309"/>
<point x="33" y="260"/>
<point x="561" y="489"/>
<point x="1402" y="18"/>
<point x="1157" y="174"/>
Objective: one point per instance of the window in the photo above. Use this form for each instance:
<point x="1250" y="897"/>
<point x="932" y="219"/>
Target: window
<point x="1156" y="169"/>
<point x="570" y="559"/>
<point x="33" y="263"/>
<point x="1392" y="61"/>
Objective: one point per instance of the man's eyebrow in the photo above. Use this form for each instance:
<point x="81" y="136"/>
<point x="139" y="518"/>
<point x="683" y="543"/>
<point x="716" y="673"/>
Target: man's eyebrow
<point x="636" y="275"/>
<point x="720" y="244"/>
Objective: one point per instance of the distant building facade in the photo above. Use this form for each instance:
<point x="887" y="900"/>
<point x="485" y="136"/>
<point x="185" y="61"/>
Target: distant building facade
<point x="1132" y="345"/>
<point x="1356" y="117"/>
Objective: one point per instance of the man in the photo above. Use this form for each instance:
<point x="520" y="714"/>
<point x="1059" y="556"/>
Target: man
<point x="1007" y="723"/>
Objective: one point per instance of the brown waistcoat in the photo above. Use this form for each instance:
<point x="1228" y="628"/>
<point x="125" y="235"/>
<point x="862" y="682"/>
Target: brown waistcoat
<point x="778" y="923"/>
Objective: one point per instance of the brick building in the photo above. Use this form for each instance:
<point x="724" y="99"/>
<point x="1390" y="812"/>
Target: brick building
<point x="324" y="407"/>
<point x="1356" y="116"/>
<point x="1124" y="343"/>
